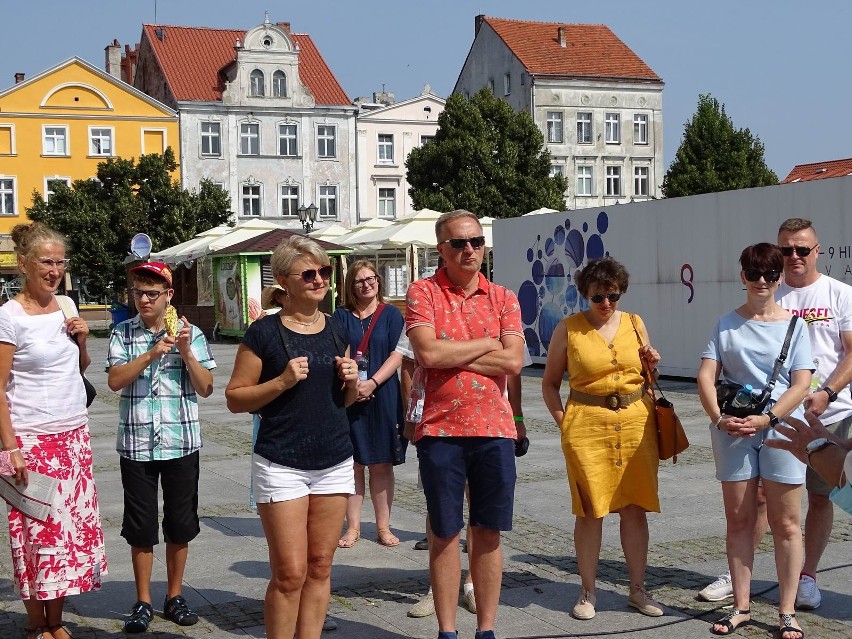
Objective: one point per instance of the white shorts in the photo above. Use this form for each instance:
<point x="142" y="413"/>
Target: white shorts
<point x="272" y="482"/>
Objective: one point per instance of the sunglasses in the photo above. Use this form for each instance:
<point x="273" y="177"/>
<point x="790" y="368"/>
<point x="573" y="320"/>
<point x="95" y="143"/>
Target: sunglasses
<point x="801" y="251"/>
<point x="770" y="277"/>
<point x="599" y="298"/>
<point x="458" y="243"/>
<point x="309" y="275"/>
<point x="151" y="295"/>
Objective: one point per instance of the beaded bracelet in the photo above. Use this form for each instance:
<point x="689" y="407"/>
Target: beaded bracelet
<point x="13" y="450"/>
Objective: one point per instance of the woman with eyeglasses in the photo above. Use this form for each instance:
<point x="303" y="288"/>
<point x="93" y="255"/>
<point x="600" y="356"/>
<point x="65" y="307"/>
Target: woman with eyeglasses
<point x="609" y="436"/>
<point x="744" y="347"/>
<point x="44" y="428"/>
<point x="294" y="369"/>
<point x="375" y="419"/>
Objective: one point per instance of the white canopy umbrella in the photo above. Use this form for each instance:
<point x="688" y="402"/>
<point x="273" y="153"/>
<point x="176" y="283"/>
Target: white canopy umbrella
<point x="208" y="241"/>
<point x="417" y="230"/>
<point x="361" y="229"/>
<point x="329" y="232"/>
<point x="540" y="211"/>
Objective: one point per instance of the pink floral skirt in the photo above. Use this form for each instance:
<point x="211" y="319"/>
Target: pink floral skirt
<point x="65" y="554"/>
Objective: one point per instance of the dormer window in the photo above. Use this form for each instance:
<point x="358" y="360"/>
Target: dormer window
<point x="257" y="89"/>
<point x="279" y="84"/>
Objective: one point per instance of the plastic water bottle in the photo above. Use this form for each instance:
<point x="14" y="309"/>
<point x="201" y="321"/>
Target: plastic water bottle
<point x="743" y="397"/>
<point x="815" y="378"/>
<point x="361" y="360"/>
<point x="415" y="405"/>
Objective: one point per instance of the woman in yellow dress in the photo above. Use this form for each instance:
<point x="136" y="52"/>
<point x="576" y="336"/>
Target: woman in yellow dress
<point x="609" y="436"/>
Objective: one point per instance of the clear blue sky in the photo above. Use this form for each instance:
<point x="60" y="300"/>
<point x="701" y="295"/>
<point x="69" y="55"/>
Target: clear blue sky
<point x="780" y="66"/>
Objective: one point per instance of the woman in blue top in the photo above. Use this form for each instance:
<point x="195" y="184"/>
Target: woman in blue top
<point x="375" y="420"/>
<point x="744" y="346"/>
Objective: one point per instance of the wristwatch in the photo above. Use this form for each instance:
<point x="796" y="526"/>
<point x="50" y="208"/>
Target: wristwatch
<point x="832" y="396"/>
<point x="773" y="419"/>
<point x="817" y="445"/>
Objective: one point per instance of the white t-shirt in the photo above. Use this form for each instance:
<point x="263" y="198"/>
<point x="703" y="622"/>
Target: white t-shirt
<point x="826" y="307"/>
<point x="45" y="391"/>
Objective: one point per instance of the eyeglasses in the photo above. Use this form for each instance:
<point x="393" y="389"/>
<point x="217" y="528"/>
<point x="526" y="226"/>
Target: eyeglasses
<point x="801" y="251"/>
<point x="367" y="281"/>
<point x="458" y="243"/>
<point x="48" y="264"/>
<point x="151" y="295"/>
<point x="309" y="275"/>
<point x="770" y="277"/>
<point x="599" y="298"/>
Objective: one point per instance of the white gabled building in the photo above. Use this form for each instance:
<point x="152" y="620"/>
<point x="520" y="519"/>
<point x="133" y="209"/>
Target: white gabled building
<point x="386" y="134"/>
<point x="599" y="106"/>
<point x="261" y="114"/>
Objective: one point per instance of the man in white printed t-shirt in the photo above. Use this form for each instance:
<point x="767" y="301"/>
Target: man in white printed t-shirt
<point x="826" y="305"/>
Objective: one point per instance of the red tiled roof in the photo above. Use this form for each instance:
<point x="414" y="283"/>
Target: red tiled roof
<point x="270" y="240"/>
<point x="819" y="171"/>
<point x="592" y="50"/>
<point x="191" y="58"/>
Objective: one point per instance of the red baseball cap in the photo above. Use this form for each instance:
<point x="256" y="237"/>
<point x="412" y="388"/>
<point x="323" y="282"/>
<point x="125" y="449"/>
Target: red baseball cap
<point x="156" y="269"/>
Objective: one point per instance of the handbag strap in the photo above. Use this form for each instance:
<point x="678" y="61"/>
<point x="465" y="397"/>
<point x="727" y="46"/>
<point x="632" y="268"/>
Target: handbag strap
<point x="365" y="341"/>
<point x="652" y="381"/>
<point x="782" y="357"/>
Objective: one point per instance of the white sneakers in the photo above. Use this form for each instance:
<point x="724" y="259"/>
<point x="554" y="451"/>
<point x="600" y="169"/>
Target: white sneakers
<point x="808" y="597"/>
<point x="719" y="589"/>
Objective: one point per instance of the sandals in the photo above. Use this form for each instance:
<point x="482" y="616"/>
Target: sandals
<point x="59" y="626"/>
<point x="36" y="633"/>
<point x="386" y="538"/>
<point x="349" y="539"/>
<point x="730" y="627"/>
<point x="786" y="623"/>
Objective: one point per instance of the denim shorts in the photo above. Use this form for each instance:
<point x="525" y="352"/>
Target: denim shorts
<point x="742" y="458"/>
<point x="487" y="464"/>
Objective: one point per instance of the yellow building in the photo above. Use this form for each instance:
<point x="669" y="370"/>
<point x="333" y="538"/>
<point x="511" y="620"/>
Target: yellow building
<point x="58" y="125"/>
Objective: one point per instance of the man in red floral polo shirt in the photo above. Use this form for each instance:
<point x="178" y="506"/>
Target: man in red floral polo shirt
<point x="467" y="333"/>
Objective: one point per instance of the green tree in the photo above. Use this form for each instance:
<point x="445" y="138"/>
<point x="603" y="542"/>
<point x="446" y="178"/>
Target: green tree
<point x="99" y="217"/>
<point x="485" y="158"/>
<point x="715" y="156"/>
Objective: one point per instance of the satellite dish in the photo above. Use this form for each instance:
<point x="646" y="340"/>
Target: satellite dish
<point x="141" y="246"/>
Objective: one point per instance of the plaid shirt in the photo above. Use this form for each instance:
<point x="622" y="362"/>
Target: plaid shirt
<point x="158" y="412"/>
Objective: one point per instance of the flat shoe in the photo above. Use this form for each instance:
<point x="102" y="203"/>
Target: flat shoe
<point x="584" y="609"/>
<point x="728" y="624"/>
<point x="386" y="538"/>
<point x="349" y="539"/>
<point x="641" y="600"/>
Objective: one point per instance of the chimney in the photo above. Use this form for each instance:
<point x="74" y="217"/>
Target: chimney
<point x="128" y="63"/>
<point x="560" y="33"/>
<point x="478" y="20"/>
<point x="285" y="27"/>
<point x="112" y="57"/>
<point x="19" y="77"/>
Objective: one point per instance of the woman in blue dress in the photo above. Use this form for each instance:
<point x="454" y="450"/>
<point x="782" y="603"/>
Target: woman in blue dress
<point x="375" y="419"/>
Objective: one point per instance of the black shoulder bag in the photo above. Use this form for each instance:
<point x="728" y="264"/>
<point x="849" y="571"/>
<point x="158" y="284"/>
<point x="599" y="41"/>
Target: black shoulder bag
<point x="726" y="391"/>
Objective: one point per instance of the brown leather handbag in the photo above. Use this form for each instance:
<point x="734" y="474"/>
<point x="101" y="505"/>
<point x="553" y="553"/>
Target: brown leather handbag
<point x="671" y="438"/>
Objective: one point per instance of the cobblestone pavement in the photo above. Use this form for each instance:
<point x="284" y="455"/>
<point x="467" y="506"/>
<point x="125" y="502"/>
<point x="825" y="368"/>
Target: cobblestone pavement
<point x="372" y="587"/>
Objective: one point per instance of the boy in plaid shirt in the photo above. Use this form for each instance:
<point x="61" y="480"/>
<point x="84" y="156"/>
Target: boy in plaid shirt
<point x="159" y="437"/>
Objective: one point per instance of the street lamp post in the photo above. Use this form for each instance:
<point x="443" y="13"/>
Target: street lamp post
<point x="307" y="216"/>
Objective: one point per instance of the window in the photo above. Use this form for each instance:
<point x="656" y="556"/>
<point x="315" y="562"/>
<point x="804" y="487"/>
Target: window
<point x="507" y="84"/>
<point x="251" y="199"/>
<point x="491" y="85"/>
<point x="584" y="180"/>
<point x="287" y="141"/>
<point x="100" y="141"/>
<point x="426" y="138"/>
<point x="279" y="84"/>
<point x="7" y="139"/>
<point x="256" y="89"/>
<point x="55" y="140"/>
<point x="328" y="201"/>
<point x="385" y="148"/>
<point x="289" y="201"/>
<point x="326" y="141"/>
<point x="640" y="128"/>
<point x="211" y="138"/>
<point x="556" y="169"/>
<point x="50" y="186"/>
<point x="613" y="132"/>
<point x="7" y="196"/>
<point x="584" y="128"/>
<point x="249" y="139"/>
<point x="613" y="181"/>
<point x="554" y="127"/>
<point x="641" y="180"/>
<point x="387" y="203"/>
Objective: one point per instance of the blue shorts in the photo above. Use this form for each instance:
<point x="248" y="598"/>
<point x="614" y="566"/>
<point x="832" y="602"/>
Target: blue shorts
<point x="742" y="458"/>
<point x="487" y="464"/>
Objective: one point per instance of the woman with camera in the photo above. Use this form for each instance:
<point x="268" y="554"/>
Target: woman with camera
<point x="746" y="347"/>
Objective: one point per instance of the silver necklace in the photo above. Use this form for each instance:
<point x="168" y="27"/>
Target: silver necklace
<point x="305" y="324"/>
